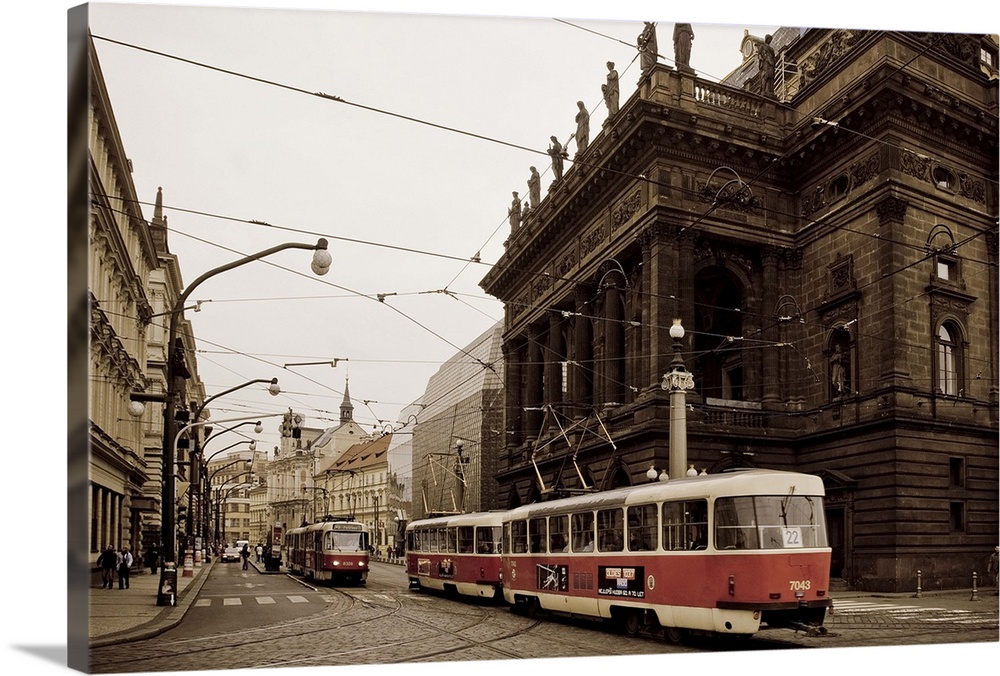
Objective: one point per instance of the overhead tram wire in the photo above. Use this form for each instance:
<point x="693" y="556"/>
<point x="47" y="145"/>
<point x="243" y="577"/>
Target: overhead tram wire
<point x="482" y="137"/>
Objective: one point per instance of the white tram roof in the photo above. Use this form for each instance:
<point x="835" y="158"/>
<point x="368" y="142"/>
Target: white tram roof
<point x="329" y="525"/>
<point x="734" y="482"/>
<point x="490" y="518"/>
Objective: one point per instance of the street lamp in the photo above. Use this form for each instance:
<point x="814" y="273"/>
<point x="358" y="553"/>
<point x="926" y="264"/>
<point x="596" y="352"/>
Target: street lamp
<point x="221" y="499"/>
<point x="203" y="527"/>
<point x="326" y="498"/>
<point x="176" y="373"/>
<point x="677" y="381"/>
<point x="197" y="453"/>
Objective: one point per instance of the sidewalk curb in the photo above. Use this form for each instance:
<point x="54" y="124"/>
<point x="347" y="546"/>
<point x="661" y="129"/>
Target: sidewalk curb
<point x="168" y="618"/>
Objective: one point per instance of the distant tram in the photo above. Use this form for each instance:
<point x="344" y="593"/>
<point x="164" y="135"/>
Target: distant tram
<point x="456" y="554"/>
<point x="335" y="550"/>
<point x="725" y="554"/>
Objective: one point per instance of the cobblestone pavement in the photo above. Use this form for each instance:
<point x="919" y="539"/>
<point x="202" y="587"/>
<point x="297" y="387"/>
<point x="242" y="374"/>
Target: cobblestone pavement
<point x="425" y="628"/>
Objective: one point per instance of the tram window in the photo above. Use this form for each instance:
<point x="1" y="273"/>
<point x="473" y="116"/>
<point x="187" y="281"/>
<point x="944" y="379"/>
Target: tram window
<point x="519" y="537"/>
<point x="488" y="540"/>
<point x="506" y="537"/>
<point x="465" y="539"/>
<point x="451" y="540"/>
<point x="642" y="528"/>
<point x="770" y="522"/>
<point x="583" y="532"/>
<point x="735" y="524"/>
<point x="432" y="540"/>
<point x="558" y="540"/>
<point x="610" y="530"/>
<point x="685" y="525"/>
<point x="536" y="535"/>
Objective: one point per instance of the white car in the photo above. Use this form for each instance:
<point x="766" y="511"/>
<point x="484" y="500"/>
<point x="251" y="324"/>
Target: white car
<point x="230" y="554"/>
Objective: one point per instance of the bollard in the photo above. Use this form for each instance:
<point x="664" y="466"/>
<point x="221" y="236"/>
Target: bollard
<point x="188" y="570"/>
<point x="974" y="579"/>
<point x="918" y="595"/>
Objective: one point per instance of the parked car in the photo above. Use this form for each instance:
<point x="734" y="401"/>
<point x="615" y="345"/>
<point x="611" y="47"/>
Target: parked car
<point x="230" y="554"/>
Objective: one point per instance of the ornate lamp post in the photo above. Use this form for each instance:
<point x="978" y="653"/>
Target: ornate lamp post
<point x="678" y="380"/>
<point x="176" y="373"/>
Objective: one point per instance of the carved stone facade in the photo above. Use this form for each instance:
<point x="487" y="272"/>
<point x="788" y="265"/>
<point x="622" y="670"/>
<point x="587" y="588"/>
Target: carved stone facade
<point x="832" y="260"/>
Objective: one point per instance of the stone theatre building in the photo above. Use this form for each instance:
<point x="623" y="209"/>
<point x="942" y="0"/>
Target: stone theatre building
<point x="826" y="232"/>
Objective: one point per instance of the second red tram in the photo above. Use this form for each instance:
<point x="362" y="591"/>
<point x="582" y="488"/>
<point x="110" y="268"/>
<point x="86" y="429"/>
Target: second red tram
<point x="459" y="554"/>
<point x="726" y="554"/>
<point x="335" y="550"/>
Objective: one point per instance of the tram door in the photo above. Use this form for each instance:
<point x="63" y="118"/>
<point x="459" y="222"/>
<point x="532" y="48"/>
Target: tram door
<point x="835" y="527"/>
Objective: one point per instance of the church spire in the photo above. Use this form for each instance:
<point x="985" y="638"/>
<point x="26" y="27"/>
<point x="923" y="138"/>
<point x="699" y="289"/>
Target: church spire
<point x="346" y="407"/>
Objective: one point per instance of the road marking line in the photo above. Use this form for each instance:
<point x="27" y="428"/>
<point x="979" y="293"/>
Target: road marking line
<point x="232" y="602"/>
<point x="297" y="599"/>
<point x="263" y="600"/>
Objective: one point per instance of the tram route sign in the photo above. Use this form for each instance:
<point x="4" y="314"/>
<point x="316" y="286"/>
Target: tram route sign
<point x="624" y="581"/>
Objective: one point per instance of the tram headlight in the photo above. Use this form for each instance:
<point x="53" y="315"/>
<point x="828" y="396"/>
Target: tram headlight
<point x="336" y="563"/>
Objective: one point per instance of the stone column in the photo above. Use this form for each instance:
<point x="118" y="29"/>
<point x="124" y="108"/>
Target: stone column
<point x="533" y="400"/>
<point x="553" y="363"/>
<point x="771" y="354"/>
<point x="512" y="385"/>
<point x="582" y="375"/>
<point x="614" y="357"/>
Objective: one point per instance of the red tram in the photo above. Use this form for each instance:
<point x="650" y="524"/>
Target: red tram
<point x="726" y="554"/>
<point x="333" y="550"/>
<point x="456" y="554"/>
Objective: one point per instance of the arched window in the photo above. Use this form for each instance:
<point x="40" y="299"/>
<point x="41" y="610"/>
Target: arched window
<point x="948" y="359"/>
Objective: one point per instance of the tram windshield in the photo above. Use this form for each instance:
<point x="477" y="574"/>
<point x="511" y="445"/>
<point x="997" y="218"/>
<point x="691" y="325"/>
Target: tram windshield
<point x="770" y="522"/>
<point x="345" y="542"/>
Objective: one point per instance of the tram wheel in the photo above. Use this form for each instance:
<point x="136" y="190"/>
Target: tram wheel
<point x="632" y="622"/>
<point x="674" y="634"/>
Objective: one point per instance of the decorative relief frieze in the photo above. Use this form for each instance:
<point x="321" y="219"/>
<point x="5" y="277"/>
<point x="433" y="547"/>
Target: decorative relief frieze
<point x="734" y="195"/>
<point x="591" y="241"/>
<point x="864" y="170"/>
<point x="622" y="212"/>
<point x="814" y="201"/>
<point x="915" y="165"/>
<point x="841" y="275"/>
<point x="962" y="47"/>
<point x="541" y="284"/>
<point x="943" y="303"/>
<point x="566" y="263"/>
<point x="972" y="188"/>
<point x="839" y="43"/>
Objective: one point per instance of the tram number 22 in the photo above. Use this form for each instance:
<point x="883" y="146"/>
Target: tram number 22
<point x="798" y="585"/>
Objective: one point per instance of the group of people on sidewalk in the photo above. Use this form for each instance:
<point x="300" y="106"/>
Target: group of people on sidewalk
<point x="111" y="562"/>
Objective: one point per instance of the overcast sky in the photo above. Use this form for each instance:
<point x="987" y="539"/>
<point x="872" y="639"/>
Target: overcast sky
<point x="404" y="204"/>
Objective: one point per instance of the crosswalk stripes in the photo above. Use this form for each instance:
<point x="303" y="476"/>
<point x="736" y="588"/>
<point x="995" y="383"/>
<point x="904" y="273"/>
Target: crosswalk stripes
<point x="906" y="612"/>
<point x="259" y="600"/>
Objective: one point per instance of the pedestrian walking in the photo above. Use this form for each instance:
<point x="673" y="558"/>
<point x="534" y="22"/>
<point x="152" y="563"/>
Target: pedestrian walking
<point x="992" y="568"/>
<point x="107" y="561"/>
<point x="152" y="557"/>
<point x="260" y="552"/>
<point x="245" y="553"/>
<point x="124" y="567"/>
